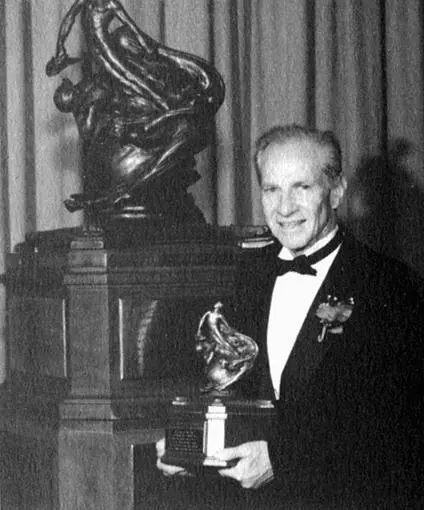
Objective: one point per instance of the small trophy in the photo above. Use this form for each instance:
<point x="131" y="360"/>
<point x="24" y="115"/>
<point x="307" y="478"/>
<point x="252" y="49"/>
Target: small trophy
<point x="214" y="419"/>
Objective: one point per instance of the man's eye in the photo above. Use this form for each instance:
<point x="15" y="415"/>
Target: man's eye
<point x="305" y="186"/>
<point x="269" y="189"/>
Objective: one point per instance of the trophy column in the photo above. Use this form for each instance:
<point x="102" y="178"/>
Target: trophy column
<point x="214" y="433"/>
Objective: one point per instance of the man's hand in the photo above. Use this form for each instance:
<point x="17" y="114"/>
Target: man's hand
<point x="253" y="469"/>
<point x="166" y="469"/>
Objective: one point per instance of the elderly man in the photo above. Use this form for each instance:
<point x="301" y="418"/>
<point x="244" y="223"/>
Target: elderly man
<point x="338" y="328"/>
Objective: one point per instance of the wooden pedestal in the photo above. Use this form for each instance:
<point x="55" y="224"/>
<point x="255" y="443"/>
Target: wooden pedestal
<point x="101" y="338"/>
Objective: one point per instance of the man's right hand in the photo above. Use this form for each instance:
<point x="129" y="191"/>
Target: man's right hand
<point x="166" y="469"/>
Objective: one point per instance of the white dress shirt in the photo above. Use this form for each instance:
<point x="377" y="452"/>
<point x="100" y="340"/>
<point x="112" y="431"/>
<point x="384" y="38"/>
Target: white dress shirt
<point x="292" y="297"/>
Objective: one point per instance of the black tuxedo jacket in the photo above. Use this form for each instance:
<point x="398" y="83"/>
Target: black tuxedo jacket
<point x="348" y="421"/>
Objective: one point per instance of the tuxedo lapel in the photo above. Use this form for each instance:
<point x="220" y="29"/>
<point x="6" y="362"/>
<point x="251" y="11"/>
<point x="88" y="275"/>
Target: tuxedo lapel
<point x="255" y="281"/>
<point x="307" y="353"/>
<point x="268" y="277"/>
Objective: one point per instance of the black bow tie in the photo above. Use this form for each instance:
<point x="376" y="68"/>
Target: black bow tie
<point x="299" y="264"/>
<point x="303" y="264"/>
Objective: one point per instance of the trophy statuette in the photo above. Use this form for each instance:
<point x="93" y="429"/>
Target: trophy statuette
<point x="216" y="417"/>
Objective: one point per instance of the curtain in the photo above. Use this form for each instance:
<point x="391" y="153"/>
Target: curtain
<point x="353" y="66"/>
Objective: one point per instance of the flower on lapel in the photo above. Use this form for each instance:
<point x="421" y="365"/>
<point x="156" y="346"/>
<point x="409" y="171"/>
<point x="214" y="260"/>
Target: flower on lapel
<point x="332" y="314"/>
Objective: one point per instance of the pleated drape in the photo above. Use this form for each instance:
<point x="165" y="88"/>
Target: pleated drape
<point x="354" y="66"/>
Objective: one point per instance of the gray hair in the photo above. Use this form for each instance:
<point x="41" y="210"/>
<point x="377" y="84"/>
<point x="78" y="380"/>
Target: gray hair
<point x="326" y="139"/>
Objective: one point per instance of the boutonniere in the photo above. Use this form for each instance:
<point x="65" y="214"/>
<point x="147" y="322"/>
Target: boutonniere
<point x="332" y="314"/>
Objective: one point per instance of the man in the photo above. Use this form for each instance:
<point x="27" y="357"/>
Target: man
<point x="340" y="343"/>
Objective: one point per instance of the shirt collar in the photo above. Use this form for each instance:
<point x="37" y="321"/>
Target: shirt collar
<point x="286" y="254"/>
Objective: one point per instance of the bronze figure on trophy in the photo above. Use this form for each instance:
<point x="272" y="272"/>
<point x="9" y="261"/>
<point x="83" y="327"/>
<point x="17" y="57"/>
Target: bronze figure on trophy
<point x="227" y="354"/>
<point x="143" y="111"/>
<point x="217" y="417"/>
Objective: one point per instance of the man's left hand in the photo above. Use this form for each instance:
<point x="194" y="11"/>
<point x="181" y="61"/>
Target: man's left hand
<point x="253" y="468"/>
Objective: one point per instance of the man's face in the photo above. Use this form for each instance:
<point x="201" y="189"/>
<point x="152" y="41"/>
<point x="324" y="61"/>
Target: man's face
<point x="298" y="201"/>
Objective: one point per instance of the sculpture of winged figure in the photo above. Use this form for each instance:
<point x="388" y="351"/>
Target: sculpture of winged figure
<point x="143" y="110"/>
<point x="227" y="353"/>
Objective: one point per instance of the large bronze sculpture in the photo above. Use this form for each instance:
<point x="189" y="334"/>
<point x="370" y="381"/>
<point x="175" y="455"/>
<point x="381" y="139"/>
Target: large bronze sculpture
<point x="143" y="111"/>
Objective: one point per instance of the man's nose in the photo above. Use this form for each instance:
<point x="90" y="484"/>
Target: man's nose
<point x="287" y="204"/>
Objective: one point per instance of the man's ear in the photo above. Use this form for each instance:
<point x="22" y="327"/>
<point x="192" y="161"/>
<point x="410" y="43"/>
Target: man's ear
<point x="337" y="193"/>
